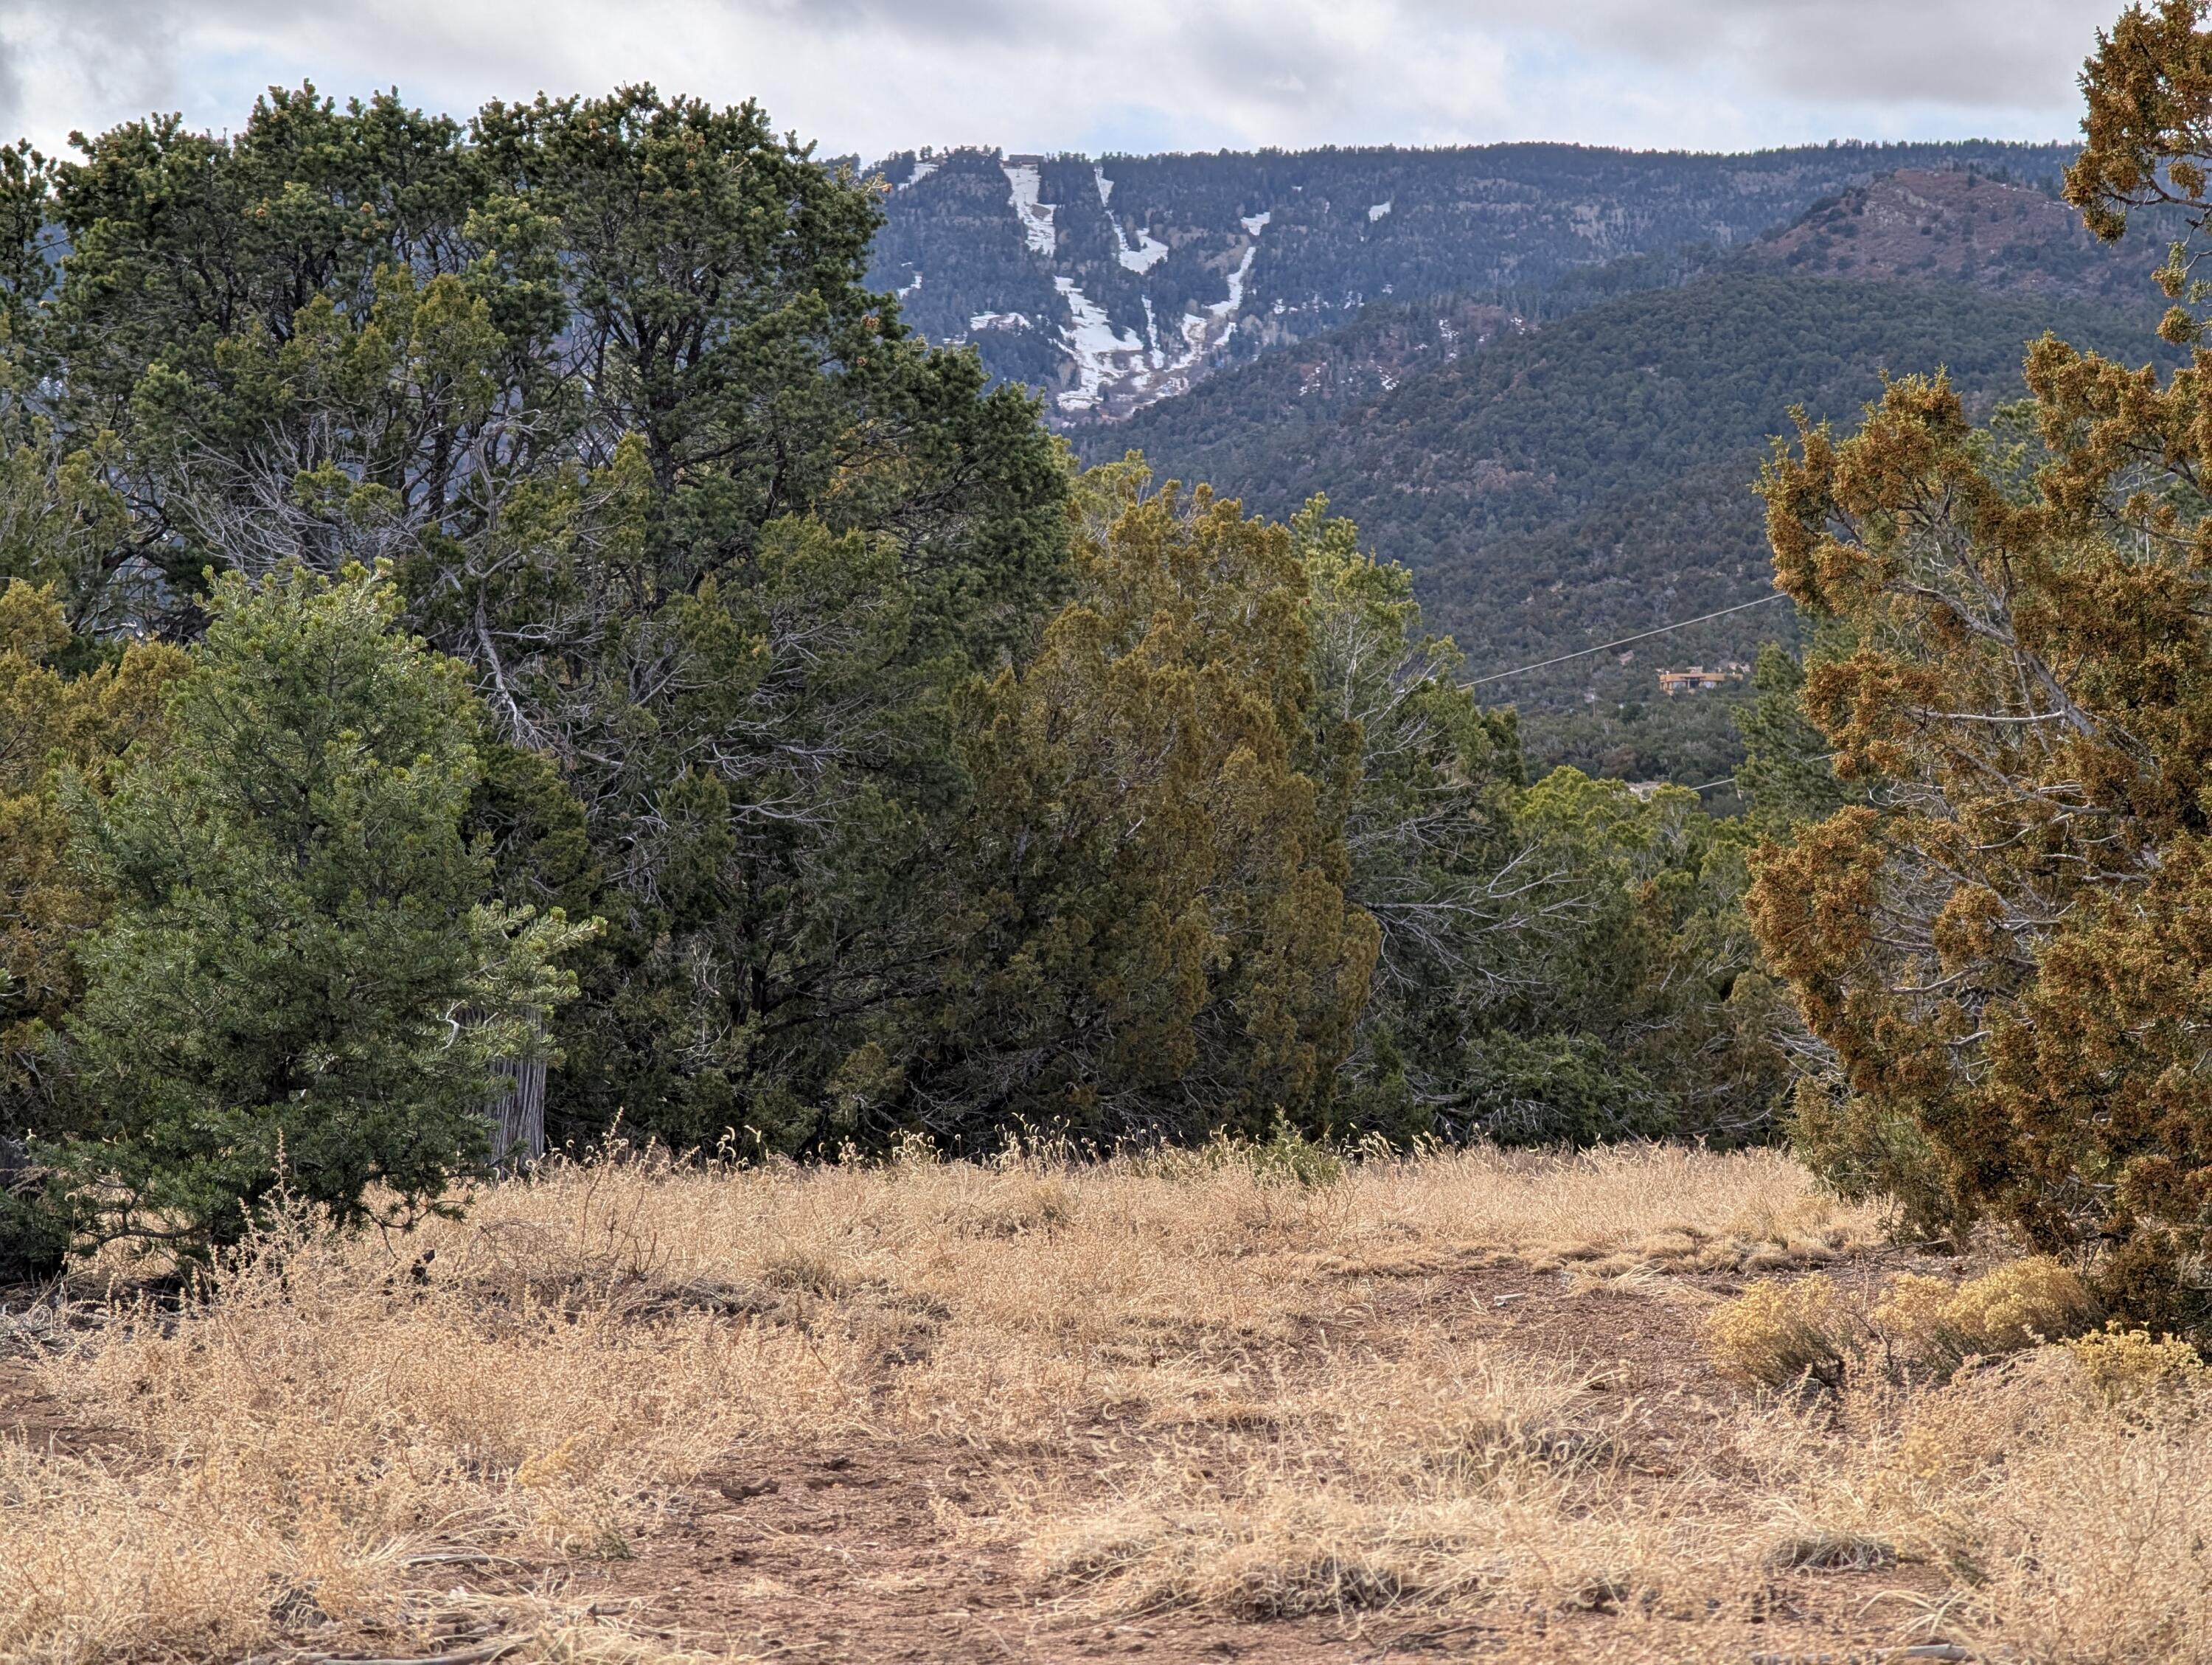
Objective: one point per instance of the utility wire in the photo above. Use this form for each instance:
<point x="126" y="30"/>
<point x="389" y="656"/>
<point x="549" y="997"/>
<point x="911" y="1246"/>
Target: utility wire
<point x="1606" y="646"/>
<point x="1729" y="779"/>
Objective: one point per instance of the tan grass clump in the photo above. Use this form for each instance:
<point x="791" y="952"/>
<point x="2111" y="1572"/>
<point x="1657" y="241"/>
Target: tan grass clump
<point x="2057" y="1527"/>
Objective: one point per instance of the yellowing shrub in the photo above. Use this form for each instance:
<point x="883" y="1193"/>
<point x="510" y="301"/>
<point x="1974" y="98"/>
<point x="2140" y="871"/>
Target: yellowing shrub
<point x="1775" y="1333"/>
<point x="1926" y="1321"/>
<point x="2037" y="1299"/>
<point x="2122" y="1365"/>
<point x="1914" y="1314"/>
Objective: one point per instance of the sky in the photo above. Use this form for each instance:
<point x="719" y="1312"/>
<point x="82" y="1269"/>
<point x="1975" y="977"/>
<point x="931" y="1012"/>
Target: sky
<point x="873" y="77"/>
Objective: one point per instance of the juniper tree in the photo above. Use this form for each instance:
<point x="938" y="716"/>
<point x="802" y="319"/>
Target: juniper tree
<point x="714" y="534"/>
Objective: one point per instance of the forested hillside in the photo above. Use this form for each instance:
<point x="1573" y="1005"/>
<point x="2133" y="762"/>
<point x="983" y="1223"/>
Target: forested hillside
<point x="1587" y="480"/>
<point x="1108" y="284"/>
<point x="1957" y="226"/>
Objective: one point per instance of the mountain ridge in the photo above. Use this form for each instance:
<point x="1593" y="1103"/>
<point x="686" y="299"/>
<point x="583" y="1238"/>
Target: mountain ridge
<point x="1110" y="284"/>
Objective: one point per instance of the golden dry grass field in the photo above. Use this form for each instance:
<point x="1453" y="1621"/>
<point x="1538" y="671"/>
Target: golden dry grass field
<point x="1186" y="1408"/>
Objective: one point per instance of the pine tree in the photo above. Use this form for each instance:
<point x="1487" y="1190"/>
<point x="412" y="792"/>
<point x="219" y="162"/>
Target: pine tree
<point x="302" y="982"/>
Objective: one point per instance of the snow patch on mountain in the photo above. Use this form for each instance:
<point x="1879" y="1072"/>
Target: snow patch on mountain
<point x="1099" y="350"/>
<point x="922" y="170"/>
<point x="1230" y="308"/>
<point x="1022" y="177"/>
<point x="1148" y="253"/>
<point x="1112" y="367"/>
<point x="1377" y="211"/>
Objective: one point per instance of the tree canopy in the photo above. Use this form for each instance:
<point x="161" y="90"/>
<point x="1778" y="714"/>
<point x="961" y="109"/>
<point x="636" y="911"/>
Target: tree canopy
<point x="506" y="590"/>
<point x="2005" y="944"/>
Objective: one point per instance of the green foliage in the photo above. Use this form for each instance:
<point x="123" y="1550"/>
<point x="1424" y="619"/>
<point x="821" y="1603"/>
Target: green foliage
<point x="1566" y="1088"/>
<point x="1787" y="779"/>
<point x="1157" y="939"/>
<point x="301" y="982"/>
<point x="1866" y="1150"/>
<point x="1424" y="781"/>
<point x="1560" y="963"/>
<point x="712" y="535"/>
<point x="53" y="723"/>
<point x="1648" y="952"/>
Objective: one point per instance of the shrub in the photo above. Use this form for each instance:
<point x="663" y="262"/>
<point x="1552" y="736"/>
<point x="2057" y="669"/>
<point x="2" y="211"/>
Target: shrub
<point x="1865" y="1153"/>
<point x="1941" y="1325"/>
<point x="2126" y="1365"/>
<point x="2030" y="1301"/>
<point x="1776" y="1334"/>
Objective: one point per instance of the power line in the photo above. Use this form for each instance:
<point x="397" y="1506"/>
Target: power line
<point x="1607" y="646"/>
<point x="1729" y="779"/>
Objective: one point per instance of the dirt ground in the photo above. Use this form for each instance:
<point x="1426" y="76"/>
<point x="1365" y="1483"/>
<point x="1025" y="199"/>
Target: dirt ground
<point x="849" y="1550"/>
<point x="843" y="1554"/>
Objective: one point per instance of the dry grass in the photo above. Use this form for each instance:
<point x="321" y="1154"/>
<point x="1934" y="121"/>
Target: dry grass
<point x="1225" y="1392"/>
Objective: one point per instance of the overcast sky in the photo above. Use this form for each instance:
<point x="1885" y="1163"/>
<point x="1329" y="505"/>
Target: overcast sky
<point x="876" y="76"/>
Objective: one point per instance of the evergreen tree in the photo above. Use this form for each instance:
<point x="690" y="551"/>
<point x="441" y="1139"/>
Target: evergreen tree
<point x="54" y="724"/>
<point x="2005" y="945"/>
<point x="1155" y="935"/>
<point x="302" y="982"/>
<point x="714" y="536"/>
<point x="1565" y="962"/>
<point x="1785" y="778"/>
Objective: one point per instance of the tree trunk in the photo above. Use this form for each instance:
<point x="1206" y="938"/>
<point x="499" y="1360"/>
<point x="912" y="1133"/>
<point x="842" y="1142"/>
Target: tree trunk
<point x="518" y="1116"/>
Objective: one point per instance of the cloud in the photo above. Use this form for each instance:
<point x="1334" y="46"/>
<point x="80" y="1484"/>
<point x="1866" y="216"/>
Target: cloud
<point x="875" y="76"/>
<point x="2002" y="54"/>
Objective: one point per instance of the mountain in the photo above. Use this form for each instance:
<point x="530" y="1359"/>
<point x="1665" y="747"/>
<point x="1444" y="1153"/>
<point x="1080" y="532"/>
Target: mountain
<point x="1958" y="227"/>
<point x="1574" y="484"/>
<point x="1113" y="283"/>
<point x="1303" y="385"/>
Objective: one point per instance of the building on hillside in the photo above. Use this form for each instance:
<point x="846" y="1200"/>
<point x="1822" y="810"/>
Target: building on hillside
<point x="1698" y="679"/>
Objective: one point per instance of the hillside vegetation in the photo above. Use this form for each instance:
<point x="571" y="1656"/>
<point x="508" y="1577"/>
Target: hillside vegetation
<point x="1957" y="226"/>
<point x="1110" y="283"/>
<point x="1580" y="482"/>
